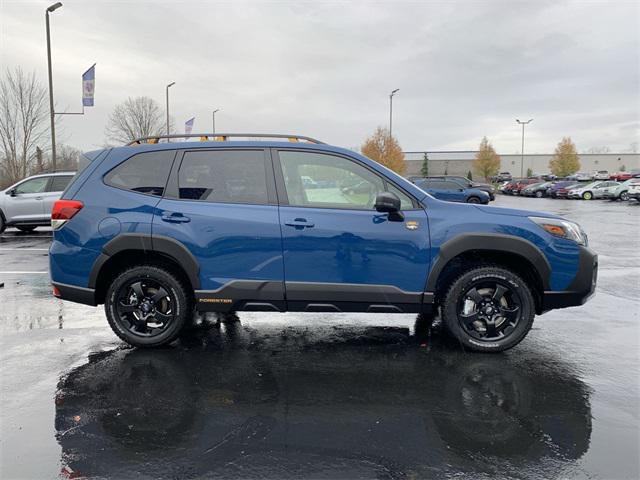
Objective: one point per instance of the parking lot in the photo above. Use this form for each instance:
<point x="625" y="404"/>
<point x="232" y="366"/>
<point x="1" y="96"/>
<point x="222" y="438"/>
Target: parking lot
<point x="323" y="396"/>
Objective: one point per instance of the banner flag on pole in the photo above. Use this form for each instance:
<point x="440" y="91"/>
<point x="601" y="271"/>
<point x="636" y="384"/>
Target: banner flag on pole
<point x="88" y="86"/>
<point x="188" y="125"/>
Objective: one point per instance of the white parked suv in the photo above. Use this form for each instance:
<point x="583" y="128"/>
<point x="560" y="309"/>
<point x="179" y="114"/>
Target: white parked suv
<point x="27" y="204"/>
<point x="634" y="190"/>
<point x="593" y="190"/>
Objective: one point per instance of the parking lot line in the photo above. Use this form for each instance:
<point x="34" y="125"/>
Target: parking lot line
<point x="18" y="273"/>
<point x="23" y="249"/>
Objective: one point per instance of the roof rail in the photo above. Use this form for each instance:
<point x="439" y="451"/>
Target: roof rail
<point x="222" y="137"/>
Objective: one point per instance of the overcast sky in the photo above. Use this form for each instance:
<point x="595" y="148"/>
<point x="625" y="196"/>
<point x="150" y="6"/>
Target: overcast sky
<point x="325" y="69"/>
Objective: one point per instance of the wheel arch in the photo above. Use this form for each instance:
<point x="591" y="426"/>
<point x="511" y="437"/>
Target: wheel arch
<point x="131" y="249"/>
<point x="463" y="251"/>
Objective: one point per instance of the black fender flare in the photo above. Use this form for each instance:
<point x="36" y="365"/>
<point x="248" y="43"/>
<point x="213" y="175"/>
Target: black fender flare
<point x="492" y="242"/>
<point x="145" y="242"/>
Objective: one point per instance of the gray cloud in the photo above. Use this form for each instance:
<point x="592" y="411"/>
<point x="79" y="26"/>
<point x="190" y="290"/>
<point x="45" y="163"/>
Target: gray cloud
<point x="464" y="69"/>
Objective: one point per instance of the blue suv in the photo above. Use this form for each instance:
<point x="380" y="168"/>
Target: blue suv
<point x="155" y="230"/>
<point x="452" y="191"/>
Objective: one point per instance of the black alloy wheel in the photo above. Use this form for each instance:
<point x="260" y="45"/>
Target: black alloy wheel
<point x="144" y="307"/>
<point x="488" y="309"/>
<point x="473" y="200"/>
<point x="147" y="306"/>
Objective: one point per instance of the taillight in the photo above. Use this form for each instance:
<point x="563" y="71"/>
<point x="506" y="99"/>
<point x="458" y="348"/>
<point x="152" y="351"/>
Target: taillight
<point x="64" y="210"/>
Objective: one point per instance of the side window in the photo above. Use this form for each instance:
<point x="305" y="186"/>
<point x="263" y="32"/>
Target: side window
<point x="405" y="201"/>
<point x="35" y="185"/>
<point x="323" y="180"/>
<point x="224" y="176"/>
<point x="451" y="186"/>
<point x="143" y="173"/>
<point x="59" y="183"/>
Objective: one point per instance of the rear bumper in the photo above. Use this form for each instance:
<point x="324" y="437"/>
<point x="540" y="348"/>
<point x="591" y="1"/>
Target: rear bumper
<point x="581" y="288"/>
<point x="86" y="296"/>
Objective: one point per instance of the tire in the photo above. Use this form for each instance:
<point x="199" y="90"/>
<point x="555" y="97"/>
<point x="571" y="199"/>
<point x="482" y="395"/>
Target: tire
<point x="539" y="194"/>
<point x="587" y="196"/>
<point x="473" y="200"/>
<point x="624" y="196"/>
<point x="512" y="310"/>
<point x="3" y="225"/>
<point x="26" y="229"/>
<point x="172" y="310"/>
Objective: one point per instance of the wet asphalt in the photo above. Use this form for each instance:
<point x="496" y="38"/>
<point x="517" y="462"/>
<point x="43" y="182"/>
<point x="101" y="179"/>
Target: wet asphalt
<point x="324" y="396"/>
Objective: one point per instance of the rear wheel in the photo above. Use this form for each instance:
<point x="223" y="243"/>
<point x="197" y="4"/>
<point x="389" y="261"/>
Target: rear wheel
<point x="488" y="309"/>
<point x="587" y="195"/>
<point x="26" y="229"/>
<point x="147" y="306"/>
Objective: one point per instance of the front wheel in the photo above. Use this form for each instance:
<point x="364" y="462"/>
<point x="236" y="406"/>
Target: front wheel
<point x="147" y="306"/>
<point x="539" y="194"/>
<point x="624" y="196"/>
<point x="587" y="196"/>
<point x="488" y="309"/>
<point x="473" y="200"/>
<point x="3" y="225"/>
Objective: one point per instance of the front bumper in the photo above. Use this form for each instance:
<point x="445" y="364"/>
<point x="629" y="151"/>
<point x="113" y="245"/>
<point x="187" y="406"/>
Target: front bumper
<point x="634" y="195"/>
<point x="581" y="288"/>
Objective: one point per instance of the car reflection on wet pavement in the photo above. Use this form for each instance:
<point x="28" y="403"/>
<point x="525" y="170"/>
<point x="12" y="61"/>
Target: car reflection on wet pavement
<point x="322" y="396"/>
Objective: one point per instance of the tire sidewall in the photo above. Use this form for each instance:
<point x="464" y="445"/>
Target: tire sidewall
<point x="462" y="283"/>
<point x="624" y="196"/>
<point x="3" y="224"/>
<point x="175" y="290"/>
<point x="587" y="196"/>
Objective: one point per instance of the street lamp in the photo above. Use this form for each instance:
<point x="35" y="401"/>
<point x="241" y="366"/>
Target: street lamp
<point x="50" y="9"/>
<point x="391" y="110"/>
<point x="213" y="120"/>
<point x="168" y="132"/>
<point x="522" y="151"/>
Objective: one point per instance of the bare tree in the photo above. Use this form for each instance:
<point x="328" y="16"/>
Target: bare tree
<point x="134" y="118"/>
<point x="23" y="123"/>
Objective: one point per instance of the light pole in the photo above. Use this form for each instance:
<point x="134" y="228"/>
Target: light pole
<point x="391" y="110"/>
<point x="168" y="132"/>
<point x="213" y="120"/>
<point x="50" y="9"/>
<point x="522" y="151"/>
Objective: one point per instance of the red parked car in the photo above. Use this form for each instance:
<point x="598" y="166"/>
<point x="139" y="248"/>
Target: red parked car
<point x="521" y="184"/>
<point x="620" y="176"/>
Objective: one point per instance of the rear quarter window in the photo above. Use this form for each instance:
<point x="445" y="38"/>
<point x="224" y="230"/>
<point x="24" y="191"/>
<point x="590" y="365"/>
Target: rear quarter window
<point x="143" y="173"/>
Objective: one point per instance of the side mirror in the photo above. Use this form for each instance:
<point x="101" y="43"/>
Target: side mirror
<point x="387" y="202"/>
<point x="461" y="189"/>
<point x="12" y="192"/>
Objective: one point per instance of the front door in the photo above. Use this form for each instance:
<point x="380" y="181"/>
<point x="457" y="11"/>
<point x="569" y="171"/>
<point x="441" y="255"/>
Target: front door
<point x="339" y="253"/>
<point x="221" y="205"/>
<point x="26" y="205"/>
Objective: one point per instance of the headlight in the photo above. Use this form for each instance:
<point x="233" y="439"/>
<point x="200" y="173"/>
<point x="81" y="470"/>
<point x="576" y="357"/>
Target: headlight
<point x="562" y="229"/>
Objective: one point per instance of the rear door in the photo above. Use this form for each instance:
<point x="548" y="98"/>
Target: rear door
<point x="221" y="204"/>
<point x="26" y="205"/>
<point x="56" y="186"/>
<point x="340" y="254"/>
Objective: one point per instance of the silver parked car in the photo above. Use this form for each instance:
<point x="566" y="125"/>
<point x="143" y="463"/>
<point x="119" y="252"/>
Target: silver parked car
<point x="593" y="190"/>
<point x="27" y="204"/>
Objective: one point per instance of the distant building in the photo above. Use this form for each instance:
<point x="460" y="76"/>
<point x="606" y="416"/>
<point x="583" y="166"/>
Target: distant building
<point x="460" y="162"/>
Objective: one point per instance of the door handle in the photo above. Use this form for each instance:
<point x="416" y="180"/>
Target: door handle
<point x="299" y="223"/>
<point x="39" y="198"/>
<point x="174" y="217"/>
